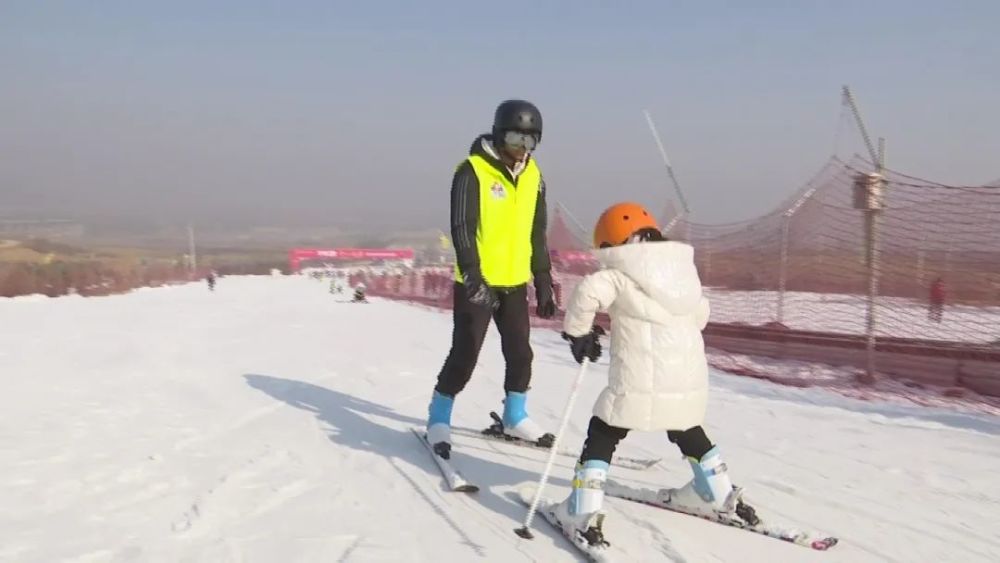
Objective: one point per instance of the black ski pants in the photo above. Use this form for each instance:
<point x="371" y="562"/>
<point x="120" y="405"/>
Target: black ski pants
<point x="602" y="439"/>
<point x="470" y="325"/>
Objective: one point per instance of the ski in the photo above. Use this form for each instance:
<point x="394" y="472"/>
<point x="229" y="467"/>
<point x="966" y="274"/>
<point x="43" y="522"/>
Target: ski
<point x="456" y="482"/>
<point x="495" y="434"/>
<point x="625" y="462"/>
<point x="817" y="541"/>
<point x="598" y="554"/>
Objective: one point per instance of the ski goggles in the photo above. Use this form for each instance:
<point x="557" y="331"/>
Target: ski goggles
<point x="518" y="139"/>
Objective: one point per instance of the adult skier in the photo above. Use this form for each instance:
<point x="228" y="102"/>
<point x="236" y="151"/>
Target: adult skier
<point x="498" y="224"/>
<point x="659" y="374"/>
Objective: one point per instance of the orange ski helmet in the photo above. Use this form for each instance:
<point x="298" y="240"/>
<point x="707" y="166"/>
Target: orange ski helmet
<point x="621" y="221"/>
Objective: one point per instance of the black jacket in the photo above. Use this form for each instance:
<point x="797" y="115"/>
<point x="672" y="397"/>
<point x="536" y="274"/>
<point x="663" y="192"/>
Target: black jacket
<point x="465" y="215"/>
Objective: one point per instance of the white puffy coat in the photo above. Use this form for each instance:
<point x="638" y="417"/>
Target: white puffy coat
<point x="659" y="374"/>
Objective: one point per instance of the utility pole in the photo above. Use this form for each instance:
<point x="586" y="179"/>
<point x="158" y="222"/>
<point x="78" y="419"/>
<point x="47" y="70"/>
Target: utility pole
<point x="869" y="197"/>
<point x="669" y="167"/>
<point x="849" y="99"/>
<point x="191" y="250"/>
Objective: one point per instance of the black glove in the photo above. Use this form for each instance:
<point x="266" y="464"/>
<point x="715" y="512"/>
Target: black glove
<point x="477" y="292"/>
<point x="546" y="308"/>
<point x="586" y="346"/>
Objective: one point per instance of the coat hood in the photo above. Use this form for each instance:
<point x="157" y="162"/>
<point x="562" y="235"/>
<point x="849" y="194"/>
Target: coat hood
<point x="664" y="271"/>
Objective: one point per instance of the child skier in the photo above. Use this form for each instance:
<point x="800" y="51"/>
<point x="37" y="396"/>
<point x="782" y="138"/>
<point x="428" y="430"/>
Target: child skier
<point x="359" y="294"/>
<point x="659" y="374"/>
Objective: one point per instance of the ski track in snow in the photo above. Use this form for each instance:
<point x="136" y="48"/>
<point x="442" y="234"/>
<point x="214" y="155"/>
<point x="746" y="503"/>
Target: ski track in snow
<point x="269" y="421"/>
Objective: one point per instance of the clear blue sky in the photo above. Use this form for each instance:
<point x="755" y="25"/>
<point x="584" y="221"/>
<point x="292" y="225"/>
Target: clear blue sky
<point x="319" y="112"/>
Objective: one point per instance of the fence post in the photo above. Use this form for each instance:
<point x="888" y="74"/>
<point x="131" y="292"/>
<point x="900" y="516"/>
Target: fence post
<point x="869" y="196"/>
<point x="708" y="261"/>
<point x="920" y="266"/>
<point x="871" y="243"/>
<point x="783" y="268"/>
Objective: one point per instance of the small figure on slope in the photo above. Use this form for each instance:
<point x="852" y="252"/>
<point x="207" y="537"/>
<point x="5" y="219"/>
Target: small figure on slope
<point x="659" y="374"/>
<point x="210" y="278"/>
<point x="359" y="294"/>
<point x="935" y="307"/>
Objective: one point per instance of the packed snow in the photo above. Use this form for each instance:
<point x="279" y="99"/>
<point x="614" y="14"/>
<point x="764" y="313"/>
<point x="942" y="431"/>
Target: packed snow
<point x="270" y="421"/>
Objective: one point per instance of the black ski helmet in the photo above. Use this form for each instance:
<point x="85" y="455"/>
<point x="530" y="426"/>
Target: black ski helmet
<point x="517" y="115"/>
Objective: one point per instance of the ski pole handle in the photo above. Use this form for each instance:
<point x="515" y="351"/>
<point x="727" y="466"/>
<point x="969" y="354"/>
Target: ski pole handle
<point x="525" y="531"/>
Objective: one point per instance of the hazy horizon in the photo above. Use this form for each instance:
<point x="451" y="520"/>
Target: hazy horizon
<point x="355" y="114"/>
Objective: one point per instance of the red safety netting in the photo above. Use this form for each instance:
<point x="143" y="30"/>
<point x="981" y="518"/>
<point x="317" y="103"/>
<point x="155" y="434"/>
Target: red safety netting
<point x="804" y="265"/>
<point x="793" y="284"/>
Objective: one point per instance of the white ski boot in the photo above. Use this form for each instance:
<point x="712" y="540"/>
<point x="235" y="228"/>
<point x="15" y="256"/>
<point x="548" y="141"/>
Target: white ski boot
<point x="580" y="514"/>
<point x="710" y="492"/>
<point x="439" y="424"/>
<point x="516" y="423"/>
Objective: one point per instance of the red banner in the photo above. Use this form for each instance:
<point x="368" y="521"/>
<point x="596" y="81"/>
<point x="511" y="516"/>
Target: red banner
<point x="297" y="255"/>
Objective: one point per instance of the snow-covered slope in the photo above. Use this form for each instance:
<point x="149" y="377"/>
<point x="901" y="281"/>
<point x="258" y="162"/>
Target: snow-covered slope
<point x="269" y="422"/>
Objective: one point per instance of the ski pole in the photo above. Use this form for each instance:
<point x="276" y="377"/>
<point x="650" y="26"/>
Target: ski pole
<point x="524" y="531"/>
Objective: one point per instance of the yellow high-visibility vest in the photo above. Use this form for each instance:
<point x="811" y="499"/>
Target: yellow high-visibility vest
<point x="506" y="219"/>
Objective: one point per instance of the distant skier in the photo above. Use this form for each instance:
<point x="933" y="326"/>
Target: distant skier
<point x="935" y="306"/>
<point x="210" y="278"/>
<point x="359" y="294"/>
<point x="498" y="223"/>
<point x="659" y="374"/>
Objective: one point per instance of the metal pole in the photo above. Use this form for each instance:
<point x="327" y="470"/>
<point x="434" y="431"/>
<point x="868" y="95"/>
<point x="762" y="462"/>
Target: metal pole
<point x="572" y="217"/>
<point x="920" y="259"/>
<point x="525" y="530"/>
<point x="849" y="98"/>
<point x="872" y="238"/>
<point x="194" y="258"/>
<point x="666" y="162"/>
<point x="708" y="260"/>
<point x="783" y="270"/>
<point x="583" y="230"/>
<point x="669" y="226"/>
<point x="871" y="234"/>
<point x="920" y="267"/>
